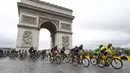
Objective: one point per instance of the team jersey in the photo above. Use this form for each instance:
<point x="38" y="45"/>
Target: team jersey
<point x="109" y="50"/>
<point x="62" y="51"/>
<point x="103" y="48"/>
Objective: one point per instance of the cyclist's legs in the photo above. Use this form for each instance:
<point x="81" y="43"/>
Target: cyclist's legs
<point x="95" y="55"/>
<point x="54" y="53"/>
<point x="105" y="55"/>
<point x="77" y="55"/>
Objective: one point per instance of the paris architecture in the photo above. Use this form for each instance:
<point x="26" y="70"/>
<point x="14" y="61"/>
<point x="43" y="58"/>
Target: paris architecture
<point x="36" y="14"/>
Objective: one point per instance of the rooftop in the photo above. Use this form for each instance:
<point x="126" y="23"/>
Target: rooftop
<point x="53" y="5"/>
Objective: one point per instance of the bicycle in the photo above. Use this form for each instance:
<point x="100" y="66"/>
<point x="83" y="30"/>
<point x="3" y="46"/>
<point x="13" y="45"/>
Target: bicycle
<point x="68" y="59"/>
<point x="82" y="61"/>
<point x="110" y="60"/>
<point x="33" y="57"/>
<point x="64" y="57"/>
<point x="55" y="59"/>
<point x="95" y="60"/>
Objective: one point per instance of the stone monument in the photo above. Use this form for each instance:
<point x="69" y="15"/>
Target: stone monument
<point x="36" y="14"/>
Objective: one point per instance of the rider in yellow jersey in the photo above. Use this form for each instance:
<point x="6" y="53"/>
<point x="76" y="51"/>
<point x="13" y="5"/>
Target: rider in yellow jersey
<point x="106" y="50"/>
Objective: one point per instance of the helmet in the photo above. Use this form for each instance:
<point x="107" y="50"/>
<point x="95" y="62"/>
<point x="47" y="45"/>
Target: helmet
<point x="32" y="47"/>
<point x="100" y="46"/>
<point x="81" y="45"/>
<point x="63" y="47"/>
<point x="109" y="45"/>
<point x="76" y="47"/>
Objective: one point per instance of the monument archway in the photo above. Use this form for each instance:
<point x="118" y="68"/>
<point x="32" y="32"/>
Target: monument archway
<point x="52" y="29"/>
<point x="34" y="15"/>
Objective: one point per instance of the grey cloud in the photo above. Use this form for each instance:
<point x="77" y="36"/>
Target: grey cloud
<point x="95" y="44"/>
<point x="7" y="42"/>
<point x="122" y="24"/>
<point x="111" y="15"/>
<point x="88" y="15"/>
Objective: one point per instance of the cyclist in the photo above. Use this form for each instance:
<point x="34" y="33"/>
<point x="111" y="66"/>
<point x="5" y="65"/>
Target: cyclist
<point x="72" y="52"/>
<point x="109" y="48"/>
<point x="77" y="51"/>
<point x="62" y="52"/>
<point x="43" y="52"/>
<point x="106" y="50"/>
<point x="54" y="51"/>
<point x="31" y="51"/>
<point x="97" y="51"/>
<point x="81" y="48"/>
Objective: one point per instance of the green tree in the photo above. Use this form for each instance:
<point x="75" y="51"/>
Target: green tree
<point x="127" y="52"/>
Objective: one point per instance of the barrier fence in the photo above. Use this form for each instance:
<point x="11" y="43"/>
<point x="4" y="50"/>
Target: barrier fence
<point x="119" y="57"/>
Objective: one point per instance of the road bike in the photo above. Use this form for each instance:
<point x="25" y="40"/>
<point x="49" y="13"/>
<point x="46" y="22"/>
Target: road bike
<point x="82" y="61"/>
<point x="55" y="59"/>
<point x="111" y="60"/>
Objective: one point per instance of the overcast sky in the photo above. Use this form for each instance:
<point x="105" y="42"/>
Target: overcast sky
<point x="96" y="22"/>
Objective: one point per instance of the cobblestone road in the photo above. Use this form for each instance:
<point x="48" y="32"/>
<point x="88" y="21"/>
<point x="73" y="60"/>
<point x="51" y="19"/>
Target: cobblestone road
<point x="16" y="66"/>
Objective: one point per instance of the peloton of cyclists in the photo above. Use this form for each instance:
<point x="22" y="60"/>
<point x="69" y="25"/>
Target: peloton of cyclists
<point x="105" y="50"/>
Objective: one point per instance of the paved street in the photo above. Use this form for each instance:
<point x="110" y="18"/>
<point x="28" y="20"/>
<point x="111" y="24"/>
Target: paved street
<point x="16" y="66"/>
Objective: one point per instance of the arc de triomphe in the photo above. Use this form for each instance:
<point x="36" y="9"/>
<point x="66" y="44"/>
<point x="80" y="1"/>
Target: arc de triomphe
<point x="36" y="14"/>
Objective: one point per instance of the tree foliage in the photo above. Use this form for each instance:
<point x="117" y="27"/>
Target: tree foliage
<point x="127" y="52"/>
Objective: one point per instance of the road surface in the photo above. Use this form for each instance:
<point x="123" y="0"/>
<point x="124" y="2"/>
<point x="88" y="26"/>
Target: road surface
<point x="16" y="66"/>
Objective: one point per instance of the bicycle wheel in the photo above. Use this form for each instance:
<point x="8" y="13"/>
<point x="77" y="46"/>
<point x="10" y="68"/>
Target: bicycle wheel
<point x="62" y="58"/>
<point x="67" y="59"/>
<point x="116" y="63"/>
<point x="58" y="60"/>
<point x="75" y="62"/>
<point x="93" y="61"/>
<point x="51" y="60"/>
<point x="85" y="62"/>
<point x="43" y="57"/>
<point x="70" y="60"/>
<point x="101" y="63"/>
<point x="108" y="62"/>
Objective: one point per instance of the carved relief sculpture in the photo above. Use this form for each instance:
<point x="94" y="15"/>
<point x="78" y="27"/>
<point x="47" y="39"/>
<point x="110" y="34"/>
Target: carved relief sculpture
<point x="41" y="20"/>
<point x="27" y="38"/>
<point x="65" y="26"/>
<point x="65" y="41"/>
<point x="28" y="19"/>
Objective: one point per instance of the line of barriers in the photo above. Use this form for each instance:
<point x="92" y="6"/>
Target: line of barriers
<point x="119" y="57"/>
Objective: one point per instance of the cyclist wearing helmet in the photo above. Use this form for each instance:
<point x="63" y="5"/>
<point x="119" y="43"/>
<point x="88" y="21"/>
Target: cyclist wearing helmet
<point x="106" y="49"/>
<point x="81" y="48"/>
<point x="54" y="51"/>
<point x="72" y="51"/>
<point x="78" y="50"/>
<point x="62" y="52"/>
<point x="31" y="50"/>
<point x="75" y="51"/>
<point x="97" y="50"/>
